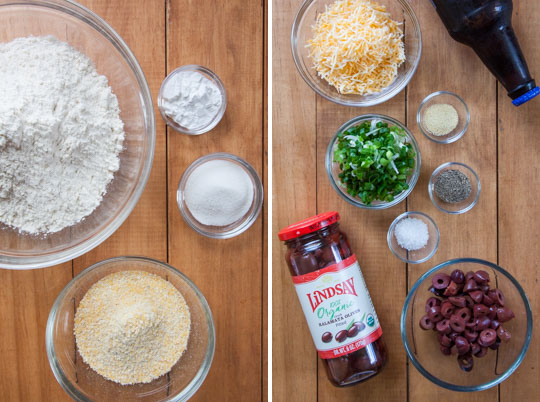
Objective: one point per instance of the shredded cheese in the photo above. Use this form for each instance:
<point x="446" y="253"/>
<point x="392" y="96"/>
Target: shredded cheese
<point x="357" y="47"/>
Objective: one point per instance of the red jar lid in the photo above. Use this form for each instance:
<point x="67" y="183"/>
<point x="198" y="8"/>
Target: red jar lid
<point x="308" y="225"/>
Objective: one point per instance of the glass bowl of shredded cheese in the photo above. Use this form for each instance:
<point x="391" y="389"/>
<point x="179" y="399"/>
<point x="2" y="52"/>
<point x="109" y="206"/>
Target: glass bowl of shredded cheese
<point x="356" y="52"/>
<point x="155" y="326"/>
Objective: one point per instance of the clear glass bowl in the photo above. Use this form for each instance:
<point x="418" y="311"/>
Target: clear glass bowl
<point x="423" y="347"/>
<point x="236" y="228"/>
<point x="415" y="256"/>
<point x="88" y="33"/>
<point x="449" y="98"/>
<point x="399" y="10"/>
<point x="459" y="207"/>
<point x="333" y="170"/>
<point x="84" y="384"/>
<point x="212" y="77"/>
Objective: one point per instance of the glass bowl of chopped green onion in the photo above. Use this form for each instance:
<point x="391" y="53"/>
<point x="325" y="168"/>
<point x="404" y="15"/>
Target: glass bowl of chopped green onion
<point x="443" y="117"/>
<point x="82" y="382"/>
<point x="454" y="188"/>
<point x="413" y="237"/>
<point x="373" y="161"/>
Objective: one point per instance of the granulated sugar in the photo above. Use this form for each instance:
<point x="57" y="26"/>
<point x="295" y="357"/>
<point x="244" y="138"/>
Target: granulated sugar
<point x="132" y="327"/>
<point x="218" y="193"/>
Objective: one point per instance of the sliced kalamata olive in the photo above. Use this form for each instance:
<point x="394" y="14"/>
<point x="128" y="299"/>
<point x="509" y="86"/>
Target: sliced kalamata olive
<point x="480" y="310"/>
<point x="326" y="337"/>
<point x="341" y="336"/>
<point x="466" y="362"/>
<point x="457" y="323"/>
<point x="504" y="314"/>
<point x="469" y="275"/>
<point x="452" y="336"/>
<point x="444" y="326"/>
<point x="445" y="350"/>
<point x="470" y="335"/>
<point x="492" y="312"/>
<point x="476" y="295"/>
<point x="481" y="277"/>
<point x="482" y="352"/>
<point x="487" y="337"/>
<point x="432" y="301"/>
<point x="464" y="313"/>
<point x="495" y="345"/>
<point x="475" y="348"/>
<point x="440" y="281"/>
<point x="484" y="288"/>
<point x="447" y="309"/>
<point x="451" y="290"/>
<point x="445" y="340"/>
<point x="494" y="324"/>
<point x="470" y="285"/>
<point x="503" y="333"/>
<point x="457" y="276"/>
<point x="482" y="323"/>
<point x="487" y="300"/>
<point x="497" y="296"/>
<point x="471" y="324"/>
<point x="458" y="301"/>
<point x="463" y="345"/>
<point x="470" y="301"/>
<point x="434" y="314"/>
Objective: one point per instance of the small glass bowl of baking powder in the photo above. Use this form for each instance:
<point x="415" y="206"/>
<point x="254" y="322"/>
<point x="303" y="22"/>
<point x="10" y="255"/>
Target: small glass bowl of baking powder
<point x="192" y="99"/>
<point x="443" y="117"/>
<point x="220" y="195"/>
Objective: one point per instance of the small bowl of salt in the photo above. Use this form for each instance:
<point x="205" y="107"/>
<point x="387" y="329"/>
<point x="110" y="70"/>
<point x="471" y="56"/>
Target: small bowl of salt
<point x="220" y="195"/>
<point x="413" y="237"/>
<point x="192" y="99"/>
<point x="443" y="117"/>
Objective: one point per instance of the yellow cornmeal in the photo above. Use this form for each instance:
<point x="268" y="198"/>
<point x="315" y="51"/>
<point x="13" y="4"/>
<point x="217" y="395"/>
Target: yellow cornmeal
<point x="441" y="119"/>
<point x="132" y="327"/>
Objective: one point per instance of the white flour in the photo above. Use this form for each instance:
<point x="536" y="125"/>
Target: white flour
<point x="191" y="99"/>
<point x="60" y="135"/>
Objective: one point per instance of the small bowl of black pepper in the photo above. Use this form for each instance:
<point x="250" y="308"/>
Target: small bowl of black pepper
<point x="454" y="188"/>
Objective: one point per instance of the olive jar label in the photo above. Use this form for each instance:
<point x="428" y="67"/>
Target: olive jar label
<point x="338" y="308"/>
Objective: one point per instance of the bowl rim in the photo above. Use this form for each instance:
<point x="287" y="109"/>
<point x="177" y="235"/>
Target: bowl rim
<point x="85" y="15"/>
<point x="431" y="184"/>
<point x="414" y="177"/>
<point x="195" y="383"/>
<point x="355" y="103"/>
<point x="217" y="118"/>
<point x="452" y="138"/>
<point x="434" y="379"/>
<point x="258" y="197"/>
<point x="391" y="232"/>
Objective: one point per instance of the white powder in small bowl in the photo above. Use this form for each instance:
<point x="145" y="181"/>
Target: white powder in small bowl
<point x="218" y="193"/>
<point x="411" y="234"/>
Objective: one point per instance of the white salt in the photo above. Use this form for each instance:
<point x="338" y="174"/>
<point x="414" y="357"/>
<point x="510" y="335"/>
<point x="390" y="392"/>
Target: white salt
<point x="411" y="233"/>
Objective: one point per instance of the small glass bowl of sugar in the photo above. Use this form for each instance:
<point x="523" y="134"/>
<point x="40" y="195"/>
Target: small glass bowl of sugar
<point x="220" y="195"/>
<point x="413" y="237"/>
<point x="192" y="100"/>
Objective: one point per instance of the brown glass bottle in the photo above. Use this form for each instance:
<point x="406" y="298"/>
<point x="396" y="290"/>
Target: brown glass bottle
<point x="486" y="26"/>
<point x="317" y="247"/>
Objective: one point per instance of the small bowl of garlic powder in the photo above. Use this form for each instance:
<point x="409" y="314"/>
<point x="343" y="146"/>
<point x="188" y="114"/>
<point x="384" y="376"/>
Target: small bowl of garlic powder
<point x="220" y="195"/>
<point x="443" y="117"/>
<point x="192" y="100"/>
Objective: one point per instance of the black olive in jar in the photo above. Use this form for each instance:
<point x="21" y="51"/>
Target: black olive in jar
<point x="334" y="299"/>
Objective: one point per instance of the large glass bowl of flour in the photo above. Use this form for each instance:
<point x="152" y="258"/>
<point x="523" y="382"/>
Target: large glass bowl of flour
<point x="93" y="37"/>
<point x="82" y="383"/>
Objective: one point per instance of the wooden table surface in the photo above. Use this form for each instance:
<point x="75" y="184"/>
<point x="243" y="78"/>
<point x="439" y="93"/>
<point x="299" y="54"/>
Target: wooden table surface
<point x="502" y="145"/>
<point x="164" y="34"/>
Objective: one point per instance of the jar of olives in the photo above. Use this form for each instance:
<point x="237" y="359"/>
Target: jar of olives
<point x="335" y="299"/>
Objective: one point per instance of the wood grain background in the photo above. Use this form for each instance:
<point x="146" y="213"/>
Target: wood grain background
<point x="229" y="39"/>
<point x="501" y="145"/>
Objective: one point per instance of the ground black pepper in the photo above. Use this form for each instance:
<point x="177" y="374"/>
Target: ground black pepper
<point x="452" y="186"/>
